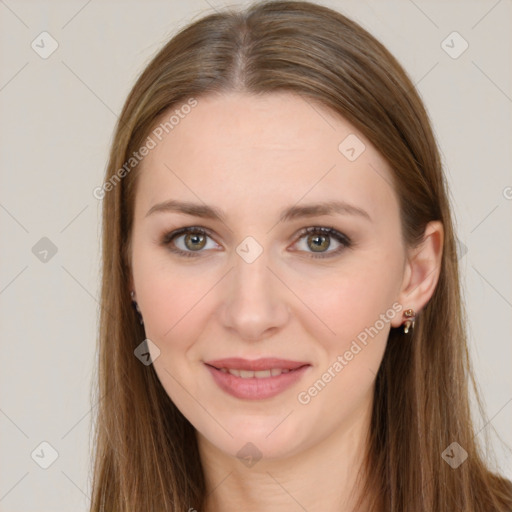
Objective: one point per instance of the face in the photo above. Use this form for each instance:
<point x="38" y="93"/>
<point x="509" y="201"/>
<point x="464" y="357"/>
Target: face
<point x="253" y="284"/>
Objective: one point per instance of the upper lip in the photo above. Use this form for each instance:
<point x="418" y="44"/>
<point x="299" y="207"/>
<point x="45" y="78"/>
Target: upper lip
<point x="265" y="363"/>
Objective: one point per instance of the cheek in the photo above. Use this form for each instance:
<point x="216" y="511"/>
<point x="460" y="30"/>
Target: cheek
<point x="173" y="308"/>
<point x="169" y="296"/>
<point x="357" y="307"/>
<point x="342" y="304"/>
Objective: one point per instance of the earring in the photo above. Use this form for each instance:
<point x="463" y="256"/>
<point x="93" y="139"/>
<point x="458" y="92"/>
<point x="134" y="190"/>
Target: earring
<point x="410" y="315"/>
<point x="136" y="306"/>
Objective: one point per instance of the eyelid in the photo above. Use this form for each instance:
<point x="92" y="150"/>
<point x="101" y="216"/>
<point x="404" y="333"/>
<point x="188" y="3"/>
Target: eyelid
<point x="168" y="238"/>
<point x="170" y="235"/>
<point x="344" y="241"/>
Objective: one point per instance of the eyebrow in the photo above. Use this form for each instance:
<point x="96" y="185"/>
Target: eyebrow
<point x="288" y="214"/>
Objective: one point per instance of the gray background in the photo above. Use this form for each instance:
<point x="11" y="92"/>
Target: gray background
<point x="57" y="119"/>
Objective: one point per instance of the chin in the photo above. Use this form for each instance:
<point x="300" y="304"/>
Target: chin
<point x="258" y="438"/>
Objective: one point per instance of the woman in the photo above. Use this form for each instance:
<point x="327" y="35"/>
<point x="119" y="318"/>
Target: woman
<point x="282" y="326"/>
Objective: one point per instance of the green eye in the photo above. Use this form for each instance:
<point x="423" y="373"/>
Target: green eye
<point x="320" y="238"/>
<point x="195" y="240"/>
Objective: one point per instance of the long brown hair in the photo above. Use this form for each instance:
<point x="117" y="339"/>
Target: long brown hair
<point x="145" y="450"/>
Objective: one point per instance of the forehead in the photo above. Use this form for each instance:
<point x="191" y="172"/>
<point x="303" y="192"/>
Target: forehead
<point x="280" y="146"/>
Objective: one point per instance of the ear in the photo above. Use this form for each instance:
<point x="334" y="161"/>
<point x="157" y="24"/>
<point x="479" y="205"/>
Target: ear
<point x="421" y="272"/>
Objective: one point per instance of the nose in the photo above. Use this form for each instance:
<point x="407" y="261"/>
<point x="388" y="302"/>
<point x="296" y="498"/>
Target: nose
<point x="255" y="302"/>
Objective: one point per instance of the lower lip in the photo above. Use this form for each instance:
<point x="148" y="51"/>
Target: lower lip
<point x="254" y="388"/>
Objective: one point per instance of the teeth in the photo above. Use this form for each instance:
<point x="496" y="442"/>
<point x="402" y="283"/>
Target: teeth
<point x="260" y="374"/>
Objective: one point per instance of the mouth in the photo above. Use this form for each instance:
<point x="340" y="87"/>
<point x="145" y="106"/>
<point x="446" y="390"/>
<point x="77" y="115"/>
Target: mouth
<point x="260" y="368"/>
<point x="260" y="374"/>
<point x="256" y="379"/>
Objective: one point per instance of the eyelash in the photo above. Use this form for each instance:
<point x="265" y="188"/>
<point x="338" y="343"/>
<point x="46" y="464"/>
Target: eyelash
<point x="168" y="238"/>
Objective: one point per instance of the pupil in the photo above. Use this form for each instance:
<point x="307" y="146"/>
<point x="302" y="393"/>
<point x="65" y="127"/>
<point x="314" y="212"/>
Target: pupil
<point x="318" y="243"/>
<point x="196" y="240"/>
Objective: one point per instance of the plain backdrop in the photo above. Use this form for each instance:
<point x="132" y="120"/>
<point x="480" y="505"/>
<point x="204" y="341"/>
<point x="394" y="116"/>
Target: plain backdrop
<point x="57" y="118"/>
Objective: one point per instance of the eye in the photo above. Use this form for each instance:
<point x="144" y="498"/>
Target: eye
<point x="319" y="238"/>
<point x="192" y="243"/>
<point x="194" y="240"/>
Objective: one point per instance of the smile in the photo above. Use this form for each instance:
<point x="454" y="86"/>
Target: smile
<point x="261" y="374"/>
<point x="255" y="380"/>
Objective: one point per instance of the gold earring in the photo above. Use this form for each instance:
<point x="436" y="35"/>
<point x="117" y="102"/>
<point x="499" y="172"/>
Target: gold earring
<point x="410" y="315"/>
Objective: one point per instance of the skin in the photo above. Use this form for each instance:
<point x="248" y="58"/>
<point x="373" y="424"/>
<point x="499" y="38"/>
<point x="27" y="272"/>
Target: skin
<point x="253" y="156"/>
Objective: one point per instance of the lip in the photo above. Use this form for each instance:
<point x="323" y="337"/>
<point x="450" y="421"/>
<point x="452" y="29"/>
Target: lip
<point x="256" y="388"/>
<point x="264" y="363"/>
